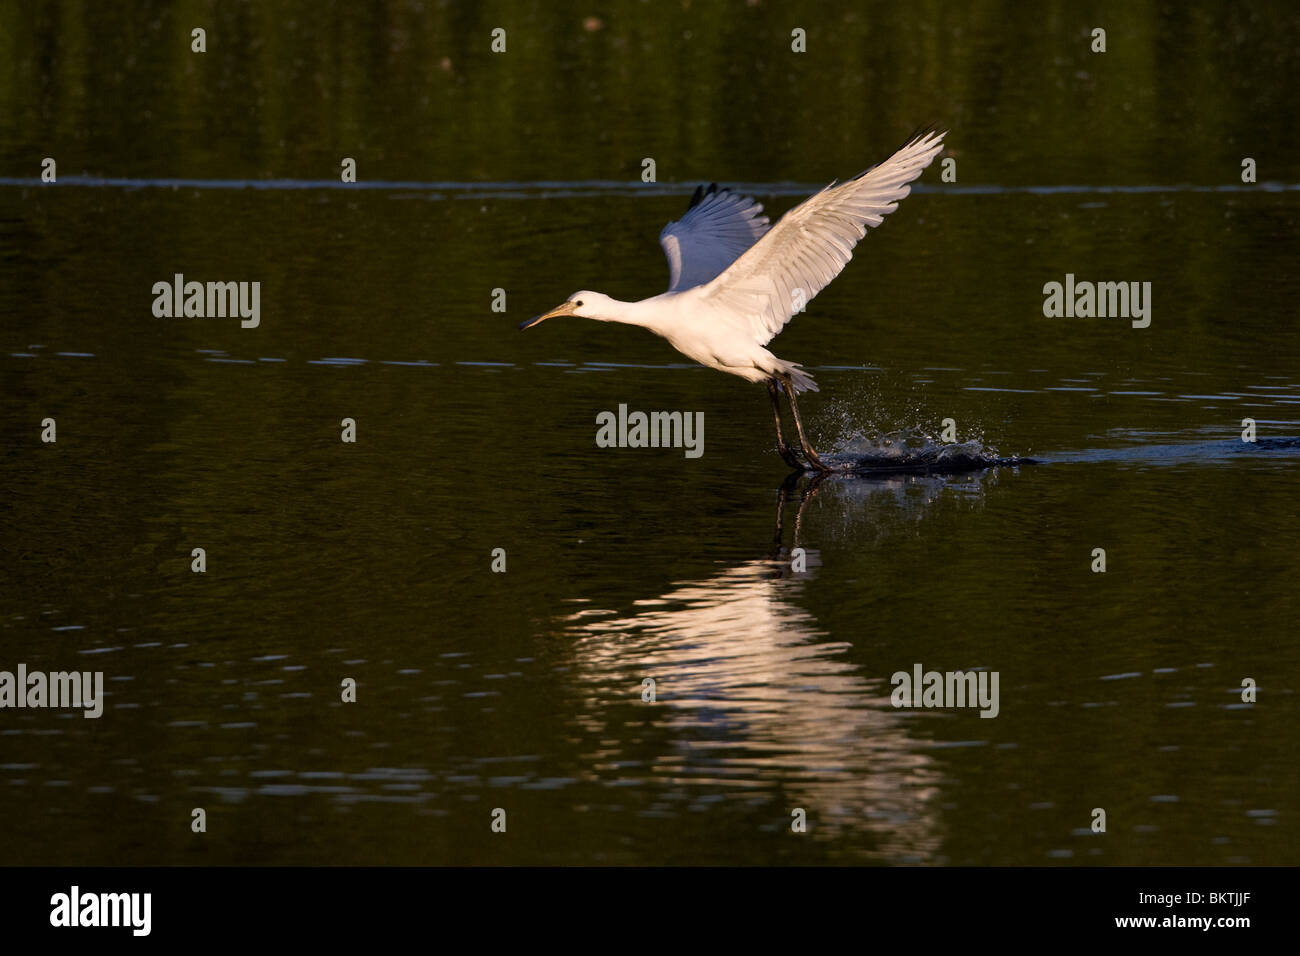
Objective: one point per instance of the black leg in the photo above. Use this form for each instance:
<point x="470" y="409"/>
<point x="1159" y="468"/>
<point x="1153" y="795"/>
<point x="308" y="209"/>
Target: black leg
<point x="808" y="451"/>
<point x="783" y="494"/>
<point x="808" y="495"/>
<point x="786" y="452"/>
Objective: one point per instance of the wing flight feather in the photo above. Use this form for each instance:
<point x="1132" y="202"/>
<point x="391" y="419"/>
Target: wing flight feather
<point x="717" y="228"/>
<point x="813" y="241"/>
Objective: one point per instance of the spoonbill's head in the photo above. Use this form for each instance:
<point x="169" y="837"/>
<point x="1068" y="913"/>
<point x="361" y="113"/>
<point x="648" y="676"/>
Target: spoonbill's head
<point x="585" y="305"/>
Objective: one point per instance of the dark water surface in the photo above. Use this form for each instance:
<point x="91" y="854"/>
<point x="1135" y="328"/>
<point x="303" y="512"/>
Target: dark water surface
<point x="522" y="690"/>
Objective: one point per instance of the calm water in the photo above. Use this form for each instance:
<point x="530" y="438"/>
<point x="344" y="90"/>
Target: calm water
<point x="522" y="690"/>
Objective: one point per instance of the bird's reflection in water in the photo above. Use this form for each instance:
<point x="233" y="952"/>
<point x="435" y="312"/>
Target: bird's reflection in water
<point x="864" y="508"/>
<point x="753" y="697"/>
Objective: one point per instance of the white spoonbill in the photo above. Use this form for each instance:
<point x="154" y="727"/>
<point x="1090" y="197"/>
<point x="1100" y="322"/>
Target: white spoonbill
<point x="734" y="283"/>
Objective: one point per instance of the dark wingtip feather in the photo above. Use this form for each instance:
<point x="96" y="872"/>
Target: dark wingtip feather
<point x="925" y="130"/>
<point x="916" y="134"/>
<point x="702" y="193"/>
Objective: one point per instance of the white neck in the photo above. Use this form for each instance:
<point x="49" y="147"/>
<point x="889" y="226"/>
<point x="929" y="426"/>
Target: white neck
<point x="628" y="313"/>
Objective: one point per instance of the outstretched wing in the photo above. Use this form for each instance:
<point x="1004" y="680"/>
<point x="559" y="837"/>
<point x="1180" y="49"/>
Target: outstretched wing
<point x="717" y="228"/>
<point x="814" y="241"/>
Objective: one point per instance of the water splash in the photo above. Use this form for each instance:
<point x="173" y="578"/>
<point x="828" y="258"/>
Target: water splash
<point x="912" y="449"/>
<point x="870" y="448"/>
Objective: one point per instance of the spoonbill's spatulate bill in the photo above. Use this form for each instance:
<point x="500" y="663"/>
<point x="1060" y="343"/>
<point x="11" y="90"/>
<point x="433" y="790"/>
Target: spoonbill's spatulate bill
<point x="734" y="282"/>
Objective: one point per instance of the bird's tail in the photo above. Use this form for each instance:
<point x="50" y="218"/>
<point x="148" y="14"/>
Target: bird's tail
<point x="803" y="382"/>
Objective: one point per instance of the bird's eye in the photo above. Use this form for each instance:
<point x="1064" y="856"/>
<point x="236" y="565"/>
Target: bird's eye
<point x="578" y="303"/>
